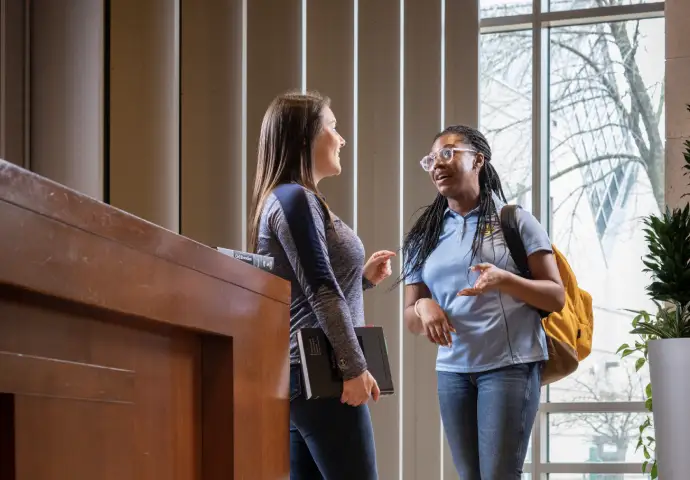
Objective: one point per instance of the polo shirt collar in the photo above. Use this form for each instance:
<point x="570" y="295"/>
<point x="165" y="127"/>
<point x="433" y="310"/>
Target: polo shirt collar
<point x="475" y="210"/>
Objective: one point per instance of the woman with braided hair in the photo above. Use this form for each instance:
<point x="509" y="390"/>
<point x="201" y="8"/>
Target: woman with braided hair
<point x="464" y="293"/>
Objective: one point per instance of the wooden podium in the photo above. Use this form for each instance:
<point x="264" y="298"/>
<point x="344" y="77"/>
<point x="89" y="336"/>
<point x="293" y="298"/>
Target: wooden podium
<point x="130" y="352"/>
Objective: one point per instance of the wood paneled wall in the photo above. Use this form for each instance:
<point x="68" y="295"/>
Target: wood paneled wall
<point x="677" y="97"/>
<point x="155" y="107"/>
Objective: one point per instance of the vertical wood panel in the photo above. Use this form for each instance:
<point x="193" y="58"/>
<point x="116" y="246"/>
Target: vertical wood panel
<point x="461" y="63"/>
<point x="274" y="65"/>
<point x="7" y="437"/>
<point x="67" y="93"/>
<point x="12" y="78"/>
<point x="124" y="396"/>
<point x="677" y="117"/>
<point x="378" y="197"/>
<point x="144" y="109"/>
<point x="217" y="396"/>
<point x="422" y="115"/>
<point x="211" y="122"/>
<point x="160" y="143"/>
<point x="85" y="452"/>
<point x="461" y="85"/>
<point x="330" y="70"/>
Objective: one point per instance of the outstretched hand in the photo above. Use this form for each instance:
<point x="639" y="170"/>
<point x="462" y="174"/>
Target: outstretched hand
<point x="378" y="267"/>
<point x="490" y="278"/>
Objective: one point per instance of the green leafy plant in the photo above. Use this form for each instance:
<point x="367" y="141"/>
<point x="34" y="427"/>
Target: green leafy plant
<point x="668" y="240"/>
<point x="686" y="167"/>
<point x="645" y="441"/>
<point x="668" y="263"/>
<point x="670" y="321"/>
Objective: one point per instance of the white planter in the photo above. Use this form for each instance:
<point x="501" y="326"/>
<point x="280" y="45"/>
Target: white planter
<point x="669" y="365"/>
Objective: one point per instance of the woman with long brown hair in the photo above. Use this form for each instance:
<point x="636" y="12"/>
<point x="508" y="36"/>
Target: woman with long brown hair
<point x="324" y="261"/>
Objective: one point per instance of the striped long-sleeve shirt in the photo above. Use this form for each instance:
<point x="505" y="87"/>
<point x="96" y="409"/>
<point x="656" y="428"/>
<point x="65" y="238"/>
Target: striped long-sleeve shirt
<point x="324" y="264"/>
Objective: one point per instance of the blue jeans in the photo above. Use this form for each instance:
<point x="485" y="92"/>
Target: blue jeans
<point x="328" y="439"/>
<point x="488" y="419"/>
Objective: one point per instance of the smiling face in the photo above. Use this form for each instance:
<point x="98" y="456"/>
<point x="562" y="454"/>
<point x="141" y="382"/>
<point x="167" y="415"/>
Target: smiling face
<point x="456" y="173"/>
<point x="327" y="145"/>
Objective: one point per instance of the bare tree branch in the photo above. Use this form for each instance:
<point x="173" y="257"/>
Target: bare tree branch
<point x="643" y="104"/>
<point x="578" y="166"/>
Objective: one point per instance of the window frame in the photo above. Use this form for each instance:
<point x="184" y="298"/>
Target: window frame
<point x="540" y="22"/>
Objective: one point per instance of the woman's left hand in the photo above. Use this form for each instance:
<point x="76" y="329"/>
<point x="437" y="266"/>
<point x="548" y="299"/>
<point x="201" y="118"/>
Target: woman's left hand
<point x="490" y="278"/>
<point x="378" y="267"/>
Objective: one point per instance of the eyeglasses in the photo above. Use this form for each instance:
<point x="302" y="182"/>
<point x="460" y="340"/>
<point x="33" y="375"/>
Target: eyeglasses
<point x="443" y="155"/>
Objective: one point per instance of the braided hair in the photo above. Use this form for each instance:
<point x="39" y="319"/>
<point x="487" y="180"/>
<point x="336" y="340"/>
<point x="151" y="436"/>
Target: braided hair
<point x="422" y="239"/>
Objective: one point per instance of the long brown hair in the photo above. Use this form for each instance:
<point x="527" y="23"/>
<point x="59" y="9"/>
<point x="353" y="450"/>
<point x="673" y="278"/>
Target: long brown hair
<point x="288" y="130"/>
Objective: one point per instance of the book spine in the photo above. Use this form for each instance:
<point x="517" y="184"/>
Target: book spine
<point x="263" y="262"/>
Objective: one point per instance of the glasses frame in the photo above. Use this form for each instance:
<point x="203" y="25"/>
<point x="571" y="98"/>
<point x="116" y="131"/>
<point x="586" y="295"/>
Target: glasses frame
<point x="435" y="156"/>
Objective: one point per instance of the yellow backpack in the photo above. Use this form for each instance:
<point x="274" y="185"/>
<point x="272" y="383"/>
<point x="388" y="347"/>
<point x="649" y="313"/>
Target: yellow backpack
<point x="568" y="332"/>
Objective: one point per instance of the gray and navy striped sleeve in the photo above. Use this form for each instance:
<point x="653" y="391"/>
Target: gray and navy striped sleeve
<point x="299" y="225"/>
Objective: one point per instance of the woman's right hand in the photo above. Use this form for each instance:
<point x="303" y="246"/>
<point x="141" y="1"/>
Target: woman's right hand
<point x="437" y="328"/>
<point x="358" y="390"/>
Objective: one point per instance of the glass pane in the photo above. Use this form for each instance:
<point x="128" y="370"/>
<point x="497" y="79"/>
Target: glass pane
<point x="506" y="109"/>
<point x="607" y="171"/>
<point x="560" y="5"/>
<point x="598" y="476"/>
<point x="504" y="8"/>
<point x="528" y="455"/>
<point x="595" y="437"/>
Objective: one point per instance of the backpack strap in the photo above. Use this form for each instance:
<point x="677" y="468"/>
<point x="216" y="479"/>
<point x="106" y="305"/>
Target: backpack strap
<point x="511" y="233"/>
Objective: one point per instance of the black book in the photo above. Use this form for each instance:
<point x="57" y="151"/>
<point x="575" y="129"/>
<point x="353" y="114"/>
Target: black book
<point x="321" y="376"/>
<point x="264" y="262"/>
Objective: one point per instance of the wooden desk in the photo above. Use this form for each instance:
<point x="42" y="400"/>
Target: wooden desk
<point x="130" y="352"/>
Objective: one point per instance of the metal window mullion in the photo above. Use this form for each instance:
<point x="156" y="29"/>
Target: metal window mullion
<point x="540" y="102"/>
<point x="593" y="407"/>
<point x="539" y="193"/>
<point x="573" y="17"/>
<point x="539" y="446"/>
<point x="540" y="114"/>
<point x="615" y="13"/>
<point x="592" y="469"/>
<point x="539" y="21"/>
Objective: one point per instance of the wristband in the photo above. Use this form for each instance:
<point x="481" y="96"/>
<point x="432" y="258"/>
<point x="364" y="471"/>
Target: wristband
<point x="416" y="311"/>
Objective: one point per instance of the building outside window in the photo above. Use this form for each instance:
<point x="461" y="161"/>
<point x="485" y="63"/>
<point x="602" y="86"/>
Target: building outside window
<point x="572" y="101"/>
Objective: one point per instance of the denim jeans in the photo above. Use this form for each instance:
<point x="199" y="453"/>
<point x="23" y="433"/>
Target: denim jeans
<point x="328" y="439"/>
<point x="488" y="419"/>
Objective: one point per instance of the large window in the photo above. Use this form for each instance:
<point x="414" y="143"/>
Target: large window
<point x="572" y="102"/>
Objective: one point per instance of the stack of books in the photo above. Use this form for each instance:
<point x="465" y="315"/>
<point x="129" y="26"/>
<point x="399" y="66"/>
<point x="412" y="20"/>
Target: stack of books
<point x="264" y="262"/>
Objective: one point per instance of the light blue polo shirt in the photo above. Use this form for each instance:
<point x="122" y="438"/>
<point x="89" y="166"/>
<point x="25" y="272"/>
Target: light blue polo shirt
<point x="494" y="329"/>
